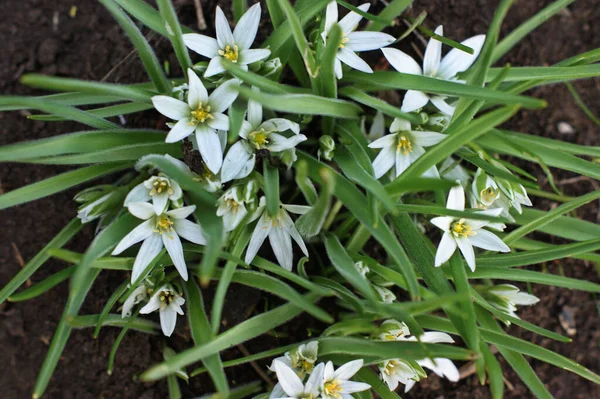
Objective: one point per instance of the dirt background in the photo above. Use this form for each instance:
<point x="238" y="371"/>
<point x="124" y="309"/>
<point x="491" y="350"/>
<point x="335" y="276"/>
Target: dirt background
<point x="40" y="36"/>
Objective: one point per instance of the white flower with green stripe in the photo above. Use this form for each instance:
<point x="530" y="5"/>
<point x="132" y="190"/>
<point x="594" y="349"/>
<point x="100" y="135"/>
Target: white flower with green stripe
<point x="168" y="303"/>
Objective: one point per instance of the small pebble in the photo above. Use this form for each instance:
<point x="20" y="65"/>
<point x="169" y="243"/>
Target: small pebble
<point x="565" y="128"/>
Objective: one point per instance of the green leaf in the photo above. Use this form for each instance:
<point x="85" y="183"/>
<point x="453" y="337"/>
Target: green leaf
<point x="115" y="320"/>
<point x="271" y="176"/>
<point x="112" y="301"/>
<point x="174" y="33"/>
<point x="554" y="74"/>
<point x="380" y="105"/>
<point x="391" y="11"/>
<point x="58" y="183"/>
<point x="43" y="286"/>
<point x="104" y="112"/>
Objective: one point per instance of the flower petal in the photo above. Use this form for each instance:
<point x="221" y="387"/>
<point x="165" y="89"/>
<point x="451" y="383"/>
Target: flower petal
<point x="152" y="305"/>
<point x="251" y="56"/>
<point x="175" y="249"/>
<point x="261" y="231"/>
<point x="401" y="61"/>
<point x="159" y="202"/>
<point x="385" y="141"/>
<point x="402" y="162"/>
<point x="224" y="35"/>
<point x="352" y="386"/>
<point x="181" y="130"/>
<point x="441" y="104"/>
<point x="201" y="44"/>
<point x="215" y="67"/>
<point x="246" y="28"/>
<point x="427" y="139"/>
<point x="413" y="100"/>
<point x="349" y="58"/>
<point x="445" y="249"/>
<point x="136" y="235"/>
<point x="289" y="380"/>
<point x="255" y="112"/>
<point x="433" y="54"/>
<point x="365" y="41"/>
<point x="280" y="125"/>
<point x="436" y="337"/>
<point x="442" y="222"/>
<point x="190" y="231"/>
<point x="197" y="94"/>
<point x="235" y="160"/>
<point x="219" y="121"/>
<point x="150" y="248"/>
<point x="281" y="243"/>
<point x="289" y="225"/>
<point x="489" y="241"/>
<point x="141" y="210"/>
<point x="351" y="20"/>
<point x="456" y="198"/>
<point x="171" y="107"/>
<point x="466" y="248"/>
<point x="337" y="66"/>
<point x="348" y="370"/>
<point x="384" y="161"/>
<point x="209" y="146"/>
<point x="181" y="213"/>
<point x="331" y="16"/>
<point x="137" y="194"/>
<point x="458" y="61"/>
<point x="224" y="95"/>
<point x="280" y="143"/>
<point x="168" y="319"/>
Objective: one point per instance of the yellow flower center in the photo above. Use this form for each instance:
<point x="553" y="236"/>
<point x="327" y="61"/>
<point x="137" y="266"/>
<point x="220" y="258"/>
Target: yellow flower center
<point x="159" y="186"/>
<point x="333" y="388"/>
<point x="461" y="229"/>
<point x="343" y="42"/>
<point x="163" y="224"/>
<point x="390" y="367"/>
<point x="233" y="205"/>
<point x="166" y="297"/>
<point x="404" y="145"/>
<point x="201" y="114"/>
<point x="230" y="53"/>
<point x="489" y="194"/>
<point x="259" y="138"/>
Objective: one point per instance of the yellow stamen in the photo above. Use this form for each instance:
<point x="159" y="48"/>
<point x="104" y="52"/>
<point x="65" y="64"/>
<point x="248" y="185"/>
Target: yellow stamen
<point x="163" y="224"/>
<point x="230" y="53"/>
<point x="234" y="206"/>
<point x="201" y="114"/>
<point x="489" y="194"/>
<point x="166" y="297"/>
<point x="343" y="42"/>
<point x="461" y="229"/>
<point x="404" y="145"/>
<point x="259" y="139"/>
<point x="333" y="388"/>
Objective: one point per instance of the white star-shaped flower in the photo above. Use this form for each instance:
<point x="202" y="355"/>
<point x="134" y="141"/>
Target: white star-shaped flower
<point x="258" y="135"/>
<point x="168" y="302"/>
<point x="403" y="147"/>
<point x="234" y="47"/>
<point x="508" y="296"/>
<point x="158" y="231"/>
<point x="292" y="386"/>
<point x="336" y="383"/>
<point x="202" y="115"/>
<point x="434" y="66"/>
<point x="465" y="233"/>
<point x="160" y="189"/>
<point x="353" y="42"/>
<point x="231" y="208"/>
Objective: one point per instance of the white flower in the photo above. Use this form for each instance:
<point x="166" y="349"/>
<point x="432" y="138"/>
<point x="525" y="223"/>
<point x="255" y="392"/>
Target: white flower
<point x="202" y="115"/>
<point x="231" y="208"/>
<point x="507" y="297"/>
<point x="386" y="295"/>
<point x="353" y="42"/>
<point x="393" y="330"/>
<point x="485" y="191"/>
<point x="168" y="302"/>
<point x="137" y="296"/>
<point x="92" y="211"/>
<point x="403" y="147"/>
<point x="464" y="233"/>
<point x="234" y="47"/>
<point x="377" y="128"/>
<point x="160" y="189"/>
<point x="398" y="371"/>
<point x="281" y="230"/>
<point x="292" y="385"/>
<point x="337" y="384"/>
<point x="258" y="135"/>
<point x="302" y="360"/>
<point x="158" y="231"/>
<point x="362" y="268"/>
<point x="434" y="66"/>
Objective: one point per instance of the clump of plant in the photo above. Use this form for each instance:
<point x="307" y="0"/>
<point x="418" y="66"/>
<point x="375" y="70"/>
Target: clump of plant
<point x="407" y="221"/>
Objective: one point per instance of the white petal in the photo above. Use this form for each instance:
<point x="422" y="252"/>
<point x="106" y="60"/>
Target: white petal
<point x="215" y="67"/>
<point x="168" y="319"/>
<point x="441" y="104"/>
<point x="377" y="129"/>
<point x="150" y="248"/>
<point x="203" y="45"/>
<point x="224" y="35"/>
<point x="171" y="107"/>
<point x="427" y="139"/>
<point x="328" y="372"/>
<point x="413" y="100"/>
<point x="402" y="162"/>
<point x="281" y="243"/>
<point x="445" y="249"/>
<point x="190" y="231"/>
<point x="466" y="248"/>
<point x="219" y="122"/>
<point x="197" y="94"/>
<point x="442" y="222"/>
<point x="175" y="250"/>
<point x="251" y="56"/>
<point x="232" y="219"/>
<point x="399" y="125"/>
<point x="280" y="143"/>
<point x="351" y="20"/>
<point x="402" y="62"/>
<point x="138" y="295"/>
<point x="436" y="337"/>
<point x="337" y="66"/>
<point x="365" y="41"/>
<point x="224" y="95"/>
<point x="280" y="125"/>
<point x="346" y="371"/>
<point x="246" y="169"/>
<point x="141" y="210"/>
<point x="235" y="160"/>
<point x="181" y="213"/>
<point x="209" y="147"/>
<point x="458" y="61"/>
<point x="456" y="198"/>
<point x="258" y="237"/>
<point x="433" y="54"/>
<point x="152" y="305"/>
<point x="159" y="202"/>
<point x="352" y="386"/>
<point x="245" y="130"/>
<point x="255" y="112"/>
<point x="487" y="240"/>
<point x="349" y="58"/>
<point x="181" y="130"/>
<point x="385" y="141"/>
<point x="315" y="380"/>
<point x="290" y="382"/>
<point x="331" y="15"/>
<point x="297" y="209"/>
<point x="288" y="224"/>
<point x="442" y="367"/>
<point x="137" y="194"/>
<point x="384" y="161"/>
<point x="246" y="28"/>
<point x="136" y="235"/>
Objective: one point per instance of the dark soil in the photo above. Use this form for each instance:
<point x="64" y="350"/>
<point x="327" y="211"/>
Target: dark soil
<point x="40" y="36"/>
